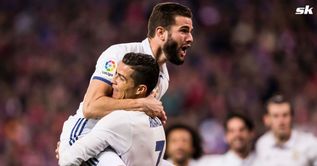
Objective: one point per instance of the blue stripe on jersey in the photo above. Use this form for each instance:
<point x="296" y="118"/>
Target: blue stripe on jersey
<point x="81" y="130"/>
<point x="102" y="79"/>
<point x="71" y="134"/>
<point x="154" y="122"/>
<point x="95" y="160"/>
<point x="91" y="162"/>
<point x="81" y="120"/>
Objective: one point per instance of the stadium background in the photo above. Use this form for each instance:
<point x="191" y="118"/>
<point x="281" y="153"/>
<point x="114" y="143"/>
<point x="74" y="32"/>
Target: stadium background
<point x="244" y="51"/>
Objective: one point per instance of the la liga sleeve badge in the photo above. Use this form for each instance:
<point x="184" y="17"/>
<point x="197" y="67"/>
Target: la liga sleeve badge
<point x="109" y="68"/>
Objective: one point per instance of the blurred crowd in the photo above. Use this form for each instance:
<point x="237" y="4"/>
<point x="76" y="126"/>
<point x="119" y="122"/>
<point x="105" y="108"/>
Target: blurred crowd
<point x="244" y="52"/>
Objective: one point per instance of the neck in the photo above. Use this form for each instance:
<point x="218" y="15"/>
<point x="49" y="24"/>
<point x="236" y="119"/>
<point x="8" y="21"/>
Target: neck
<point x="157" y="51"/>
<point x="181" y="163"/>
<point x="243" y="154"/>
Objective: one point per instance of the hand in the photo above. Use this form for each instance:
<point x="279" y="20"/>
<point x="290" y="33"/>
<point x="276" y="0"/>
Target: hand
<point x="154" y="92"/>
<point x="57" y="150"/>
<point x="153" y="108"/>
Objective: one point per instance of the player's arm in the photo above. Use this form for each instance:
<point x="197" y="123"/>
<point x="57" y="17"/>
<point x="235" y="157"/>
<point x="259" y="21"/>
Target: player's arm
<point x="97" y="102"/>
<point x="113" y="130"/>
<point x="87" y="147"/>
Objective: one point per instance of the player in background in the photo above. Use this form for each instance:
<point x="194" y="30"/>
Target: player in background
<point x="239" y="136"/>
<point x="169" y="36"/>
<point x="183" y="145"/>
<point x="283" y="145"/>
<point x="133" y="135"/>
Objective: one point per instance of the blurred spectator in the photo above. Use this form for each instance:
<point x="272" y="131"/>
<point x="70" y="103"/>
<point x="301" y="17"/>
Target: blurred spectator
<point x="212" y="133"/>
<point x="239" y="136"/>
<point x="283" y="145"/>
<point x="183" y="146"/>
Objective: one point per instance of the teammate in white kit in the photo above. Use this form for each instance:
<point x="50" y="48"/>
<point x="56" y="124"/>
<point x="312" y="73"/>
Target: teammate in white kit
<point x="169" y="36"/>
<point x="239" y="136"/>
<point x="136" y="137"/>
<point x="282" y="145"/>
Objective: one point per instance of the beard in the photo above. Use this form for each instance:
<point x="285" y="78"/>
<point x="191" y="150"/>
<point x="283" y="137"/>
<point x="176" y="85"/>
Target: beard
<point x="238" y="145"/>
<point x="171" y="50"/>
<point x="283" y="136"/>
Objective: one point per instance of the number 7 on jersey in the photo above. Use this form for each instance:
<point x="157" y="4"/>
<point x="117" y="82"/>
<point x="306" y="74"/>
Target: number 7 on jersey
<point x="159" y="147"/>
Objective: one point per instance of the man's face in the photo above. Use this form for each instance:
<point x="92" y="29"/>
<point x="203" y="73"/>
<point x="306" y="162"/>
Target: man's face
<point x="179" y="146"/>
<point x="123" y="84"/>
<point x="279" y="119"/>
<point x="238" y="136"/>
<point x="179" y="39"/>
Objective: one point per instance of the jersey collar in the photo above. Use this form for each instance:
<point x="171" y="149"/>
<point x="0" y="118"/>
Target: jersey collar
<point x="147" y="47"/>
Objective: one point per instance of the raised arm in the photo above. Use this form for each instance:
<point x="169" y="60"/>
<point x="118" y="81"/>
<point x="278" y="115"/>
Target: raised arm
<point x="97" y="102"/>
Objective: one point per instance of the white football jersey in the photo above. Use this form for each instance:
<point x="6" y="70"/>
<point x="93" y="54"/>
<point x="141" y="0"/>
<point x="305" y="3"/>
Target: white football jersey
<point x="299" y="150"/>
<point x="138" y="139"/>
<point x="108" y="62"/>
<point x="77" y="126"/>
<point x="228" y="159"/>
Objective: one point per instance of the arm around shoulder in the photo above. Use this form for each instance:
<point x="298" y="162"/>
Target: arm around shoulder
<point x="98" y="103"/>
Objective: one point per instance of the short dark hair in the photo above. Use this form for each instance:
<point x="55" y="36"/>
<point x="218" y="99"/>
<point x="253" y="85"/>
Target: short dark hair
<point x="247" y="121"/>
<point x="278" y="99"/>
<point x="163" y="14"/>
<point x="196" y="140"/>
<point x="146" y="69"/>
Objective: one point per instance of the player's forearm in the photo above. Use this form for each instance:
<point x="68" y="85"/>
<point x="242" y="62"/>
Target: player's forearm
<point x="105" y="105"/>
<point x="73" y="156"/>
<point x="85" y="148"/>
<point x="76" y="155"/>
<point x="66" y="159"/>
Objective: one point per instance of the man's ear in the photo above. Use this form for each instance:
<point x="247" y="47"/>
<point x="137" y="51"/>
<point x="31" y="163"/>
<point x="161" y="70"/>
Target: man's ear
<point x="267" y="120"/>
<point x="142" y="89"/>
<point x="161" y="33"/>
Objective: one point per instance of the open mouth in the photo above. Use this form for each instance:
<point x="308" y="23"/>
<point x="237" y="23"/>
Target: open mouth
<point x="183" y="49"/>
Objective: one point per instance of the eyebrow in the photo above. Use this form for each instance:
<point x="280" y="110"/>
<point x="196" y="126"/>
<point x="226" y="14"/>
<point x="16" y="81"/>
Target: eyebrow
<point x="120" y="75"/>
<point x="186" y="27"/>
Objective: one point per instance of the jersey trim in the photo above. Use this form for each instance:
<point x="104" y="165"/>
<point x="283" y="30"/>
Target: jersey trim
<point x="102" y="79"/>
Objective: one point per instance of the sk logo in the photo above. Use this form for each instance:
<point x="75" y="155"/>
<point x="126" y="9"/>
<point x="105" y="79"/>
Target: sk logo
<point x="304" y="10"/>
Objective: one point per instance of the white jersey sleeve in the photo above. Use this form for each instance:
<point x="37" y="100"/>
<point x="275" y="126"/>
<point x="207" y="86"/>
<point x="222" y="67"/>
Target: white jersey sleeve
<point x="113" y="129"/>
<point x="107" y="64"/>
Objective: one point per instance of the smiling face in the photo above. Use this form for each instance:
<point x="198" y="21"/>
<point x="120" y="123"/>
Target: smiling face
<point x="179" y="147"/>
<point x="123" y="85"/>
<point x="238" y="136"/>
<point x="179" y="39"/>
